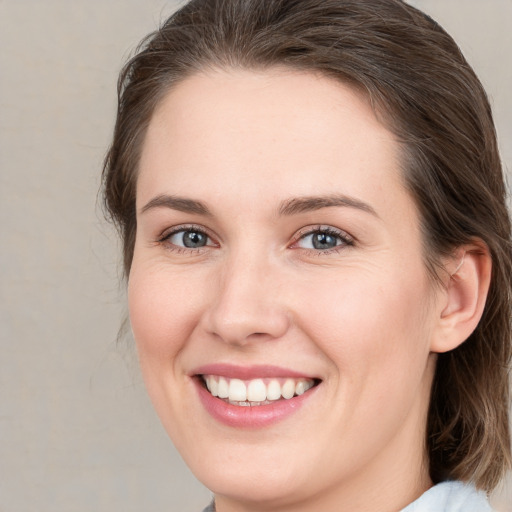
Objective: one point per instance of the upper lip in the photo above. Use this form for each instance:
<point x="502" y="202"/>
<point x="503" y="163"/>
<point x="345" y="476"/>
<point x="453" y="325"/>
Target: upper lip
<point x="248" y="372"/>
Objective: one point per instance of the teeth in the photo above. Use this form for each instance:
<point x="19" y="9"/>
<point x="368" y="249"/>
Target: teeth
<point x="301" y="388"/>
<point x="256" y="391"/>
<point x="273" y="390"/>
<point x="288" y="389"/>
<point x="223" y="388"/>
<point x="237" y="390"/>
<point x="213" y="387"/>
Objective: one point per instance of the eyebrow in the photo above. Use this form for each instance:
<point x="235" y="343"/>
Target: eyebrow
<point x="288" y="207"/>
<point x="181" y="204"/>
<point x="311" y="203"/>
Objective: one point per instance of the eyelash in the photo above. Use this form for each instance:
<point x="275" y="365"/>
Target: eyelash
<point x="164" y="239"/>
<point x="345" y="238"/>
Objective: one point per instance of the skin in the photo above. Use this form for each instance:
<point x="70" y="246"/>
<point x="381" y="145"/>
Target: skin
<point x="363" y="317"/>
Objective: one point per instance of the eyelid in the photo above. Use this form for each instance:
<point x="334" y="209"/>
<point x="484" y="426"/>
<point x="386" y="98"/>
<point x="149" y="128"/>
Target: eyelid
<point x="169" y="232"/>
<point x="347" y="239"/>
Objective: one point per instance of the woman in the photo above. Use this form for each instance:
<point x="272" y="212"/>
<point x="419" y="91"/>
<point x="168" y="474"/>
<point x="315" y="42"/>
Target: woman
<point x="318" y="255"/>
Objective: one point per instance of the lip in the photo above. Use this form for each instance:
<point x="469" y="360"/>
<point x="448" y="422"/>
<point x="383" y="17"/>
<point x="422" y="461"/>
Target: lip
<point x="248" y="417"/>
<point x="249" y="372"/>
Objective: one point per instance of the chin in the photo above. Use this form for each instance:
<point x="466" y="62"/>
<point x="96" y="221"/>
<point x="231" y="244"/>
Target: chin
<point x="265" y="487"/>
<point x="243" y="473"/>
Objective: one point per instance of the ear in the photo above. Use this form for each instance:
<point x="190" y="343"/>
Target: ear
<point x="463" y="299"/>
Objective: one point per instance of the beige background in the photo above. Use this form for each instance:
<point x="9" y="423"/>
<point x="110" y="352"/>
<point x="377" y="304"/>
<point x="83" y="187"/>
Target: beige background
<point x="76" y="430"/>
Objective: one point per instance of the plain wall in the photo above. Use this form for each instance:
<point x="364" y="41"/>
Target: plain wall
<point x="77" y="432"/>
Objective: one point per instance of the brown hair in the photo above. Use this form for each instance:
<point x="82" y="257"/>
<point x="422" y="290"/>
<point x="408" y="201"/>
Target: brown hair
<point x="418" y="81"/>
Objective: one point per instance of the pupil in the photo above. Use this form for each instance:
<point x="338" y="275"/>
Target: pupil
<point x="193" y="239"/>
<point x="323" y="241"/>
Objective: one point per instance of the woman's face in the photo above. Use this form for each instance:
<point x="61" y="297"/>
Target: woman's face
<point x="277" y="254"/>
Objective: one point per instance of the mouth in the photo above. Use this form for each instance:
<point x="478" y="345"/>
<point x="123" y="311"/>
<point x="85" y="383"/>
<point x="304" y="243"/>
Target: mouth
<point x="256" y="392"/>
<point x="253" y="397"/>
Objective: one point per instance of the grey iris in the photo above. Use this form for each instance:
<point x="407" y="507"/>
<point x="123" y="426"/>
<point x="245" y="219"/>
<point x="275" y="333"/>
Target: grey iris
<point x="194" y="239"/>
<point x="323" y="241"/>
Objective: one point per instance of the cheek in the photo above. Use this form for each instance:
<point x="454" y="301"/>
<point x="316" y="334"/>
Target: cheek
<point x="376" y="338"/>
<point x="163" y="312"/>
<point x="370" y="325"/>
<point x="162" y="316"/>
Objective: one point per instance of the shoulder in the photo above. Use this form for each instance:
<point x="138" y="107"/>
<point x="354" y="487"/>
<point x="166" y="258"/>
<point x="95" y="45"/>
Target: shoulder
<point x="210" y="507"/>
<point x="451" y="497"/>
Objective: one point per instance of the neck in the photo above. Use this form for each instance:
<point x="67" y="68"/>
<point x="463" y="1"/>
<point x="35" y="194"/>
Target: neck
<point x="366" y="492"/>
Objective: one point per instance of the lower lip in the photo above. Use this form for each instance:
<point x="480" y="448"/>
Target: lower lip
<point x="257" y="416"/>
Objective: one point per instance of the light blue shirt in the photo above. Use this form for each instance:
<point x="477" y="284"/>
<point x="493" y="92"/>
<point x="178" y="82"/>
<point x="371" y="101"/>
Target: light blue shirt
<point x="450" y="497"/>
<point x="443" y="497"/>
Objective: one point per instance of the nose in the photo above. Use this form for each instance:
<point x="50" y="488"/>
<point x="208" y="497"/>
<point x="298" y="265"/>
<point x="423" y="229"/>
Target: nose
<point x="247" y="303"/>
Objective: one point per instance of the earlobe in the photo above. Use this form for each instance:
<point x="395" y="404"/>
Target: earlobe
<point x="464" y="296"/>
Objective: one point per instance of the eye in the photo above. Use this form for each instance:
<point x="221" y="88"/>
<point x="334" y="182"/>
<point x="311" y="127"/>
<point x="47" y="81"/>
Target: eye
<point x="188" y="238"/>
<point x="324" y="239"/>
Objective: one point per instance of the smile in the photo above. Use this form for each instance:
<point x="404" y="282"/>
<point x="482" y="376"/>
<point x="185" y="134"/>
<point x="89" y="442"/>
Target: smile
<point x="252" y="397"/>
<point x="256" y="392"/>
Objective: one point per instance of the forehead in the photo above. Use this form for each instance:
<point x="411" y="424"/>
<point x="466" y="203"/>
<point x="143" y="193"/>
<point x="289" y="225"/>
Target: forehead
<point x="264" y="133"/>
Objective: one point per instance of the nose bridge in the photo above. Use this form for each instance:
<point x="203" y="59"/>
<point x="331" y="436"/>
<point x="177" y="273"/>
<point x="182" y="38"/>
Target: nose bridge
<point x="247" y="304"/>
